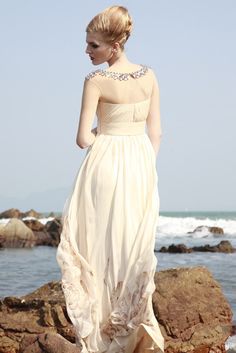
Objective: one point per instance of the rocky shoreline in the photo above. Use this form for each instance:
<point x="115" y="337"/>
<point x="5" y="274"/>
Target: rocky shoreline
<point x="24" y="229"/>
<point x="224" y="246"/>
<point x="192" y="311"/>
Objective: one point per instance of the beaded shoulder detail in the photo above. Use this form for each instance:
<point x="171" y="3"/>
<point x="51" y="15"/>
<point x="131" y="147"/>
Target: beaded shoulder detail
<point x="118" y="75"/>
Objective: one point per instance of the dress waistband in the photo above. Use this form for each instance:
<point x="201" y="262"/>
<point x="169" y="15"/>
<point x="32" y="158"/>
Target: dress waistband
<point x="121" y="128"/>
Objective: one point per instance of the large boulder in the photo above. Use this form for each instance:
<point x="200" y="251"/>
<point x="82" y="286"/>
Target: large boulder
<point x="47" y="342"/>
<point x="193" y="314"/>
<point x="16" y="234"/>
<point x="40" y="232"/>
<point x="191" y="308"/>
<point x="30" y="232"/>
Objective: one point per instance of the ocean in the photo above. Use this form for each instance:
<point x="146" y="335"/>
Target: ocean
<point x="24" y="270"/>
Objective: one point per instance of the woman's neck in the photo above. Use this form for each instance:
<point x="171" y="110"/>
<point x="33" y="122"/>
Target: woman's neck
<point x="119" y="60"/>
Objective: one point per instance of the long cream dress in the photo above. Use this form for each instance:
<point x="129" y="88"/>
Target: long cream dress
<point x="106" y="251"/>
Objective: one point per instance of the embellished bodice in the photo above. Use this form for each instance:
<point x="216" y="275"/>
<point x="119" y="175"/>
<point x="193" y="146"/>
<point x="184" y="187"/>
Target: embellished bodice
<point x="118" y="75"/>
<point x="125" y="102"/>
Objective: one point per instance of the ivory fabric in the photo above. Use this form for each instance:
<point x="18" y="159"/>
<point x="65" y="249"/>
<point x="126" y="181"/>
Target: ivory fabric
<point x="106" y="251"/>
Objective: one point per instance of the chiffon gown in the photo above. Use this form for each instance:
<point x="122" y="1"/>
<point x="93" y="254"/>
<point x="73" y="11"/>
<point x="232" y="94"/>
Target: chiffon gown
<point x="106" y="250"/>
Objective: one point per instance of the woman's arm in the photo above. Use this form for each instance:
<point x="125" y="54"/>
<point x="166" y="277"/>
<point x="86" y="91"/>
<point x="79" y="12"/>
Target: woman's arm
<point x="91" y="94"/>
<point x="154" y="119"/>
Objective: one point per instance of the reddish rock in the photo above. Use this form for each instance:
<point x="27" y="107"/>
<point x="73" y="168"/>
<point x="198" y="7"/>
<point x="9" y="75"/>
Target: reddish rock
<point x="25" y="320"/>
<point x="193" y="314"/>
<point x="47" y="342"/>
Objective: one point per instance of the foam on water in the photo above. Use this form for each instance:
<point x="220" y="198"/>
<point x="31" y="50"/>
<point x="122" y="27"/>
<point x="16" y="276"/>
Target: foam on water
<point x="230" y="344"/>
<point x="176" y="226"/>
<point x="44" y="220"/>
<point x="180" y="226"/>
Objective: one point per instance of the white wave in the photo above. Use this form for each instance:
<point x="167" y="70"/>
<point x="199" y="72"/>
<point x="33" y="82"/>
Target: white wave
<point x="41" y="220"/>
<point x="46" y="220"/>
<point x="179" y="226"/>
<point x="230" y="344"/>
<point x="4" y="221"/>
<point x="174" y="226"/>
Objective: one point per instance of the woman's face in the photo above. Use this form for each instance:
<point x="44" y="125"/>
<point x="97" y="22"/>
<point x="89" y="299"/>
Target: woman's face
<point x="98" y="50"/>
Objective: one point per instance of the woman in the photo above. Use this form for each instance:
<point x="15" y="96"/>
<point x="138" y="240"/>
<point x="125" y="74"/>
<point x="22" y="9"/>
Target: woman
<point x="106" y="252"/>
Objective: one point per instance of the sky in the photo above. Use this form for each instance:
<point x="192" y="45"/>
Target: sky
<point x="191" y="47"/>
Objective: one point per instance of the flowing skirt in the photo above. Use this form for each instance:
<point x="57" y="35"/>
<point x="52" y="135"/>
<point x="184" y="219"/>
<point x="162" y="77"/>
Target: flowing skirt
<point x="106" y="251"/>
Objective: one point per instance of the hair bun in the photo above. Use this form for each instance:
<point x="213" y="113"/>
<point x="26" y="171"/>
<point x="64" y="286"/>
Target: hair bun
<point x="114" y="23"/>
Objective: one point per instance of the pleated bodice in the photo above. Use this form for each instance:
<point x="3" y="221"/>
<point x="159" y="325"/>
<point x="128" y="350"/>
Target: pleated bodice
<point x="122" y="118"/>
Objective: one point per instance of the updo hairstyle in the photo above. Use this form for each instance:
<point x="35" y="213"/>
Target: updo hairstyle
<point x="114" y="23"/>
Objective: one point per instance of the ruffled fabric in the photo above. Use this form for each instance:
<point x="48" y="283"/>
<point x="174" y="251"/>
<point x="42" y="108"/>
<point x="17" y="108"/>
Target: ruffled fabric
<point x="106" y="251"/>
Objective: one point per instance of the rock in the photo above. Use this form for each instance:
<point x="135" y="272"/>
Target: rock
<point x="47" y="342"/>
<point x="30" y="232"/>
<point x="40" y="232"/>
<point x="44" y="238"/>
<point x="233" y="332"/>
<point x="15" y="213"/>
<point x="214" y="230"/>
<point x="15" y="234"/>
<point x="176" y="248"/>
<point x="224" y="246"/>
<point x="25" y="320"/>
<point x="54" y="228"/>
<point x="34" y="225"/>
<point x="193" y="314"/>
<point x="31" y="213"/>
<point x="11" y="213"/>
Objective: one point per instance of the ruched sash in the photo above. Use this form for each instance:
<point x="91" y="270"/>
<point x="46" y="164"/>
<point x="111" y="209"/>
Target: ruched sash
<point x="121" y="128"/>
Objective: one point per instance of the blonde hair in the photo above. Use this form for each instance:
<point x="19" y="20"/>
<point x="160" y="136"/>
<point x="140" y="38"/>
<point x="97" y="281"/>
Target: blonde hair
<point x="114" y="23"/>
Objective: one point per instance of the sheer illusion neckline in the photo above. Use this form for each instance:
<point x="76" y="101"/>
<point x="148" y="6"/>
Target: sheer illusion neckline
<point x="143" y="101"/>
<point x="125" y="73"/>
<point x="122" y="76"/>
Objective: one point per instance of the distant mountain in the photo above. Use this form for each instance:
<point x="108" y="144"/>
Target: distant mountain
<point x="51" y="200"/>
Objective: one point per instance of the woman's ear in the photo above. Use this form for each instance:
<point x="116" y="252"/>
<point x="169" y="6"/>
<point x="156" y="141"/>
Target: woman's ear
<point x="116" y="46"/>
